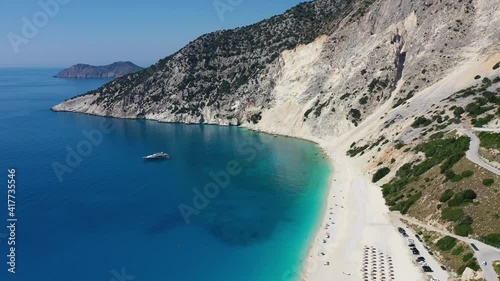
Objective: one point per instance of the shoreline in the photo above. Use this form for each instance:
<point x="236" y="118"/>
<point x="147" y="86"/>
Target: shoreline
<point x="355" y="221"/>
<point x="359" y="220"/>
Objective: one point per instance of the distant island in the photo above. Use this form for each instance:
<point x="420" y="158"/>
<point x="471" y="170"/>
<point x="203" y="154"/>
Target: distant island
<point x="113" y="70"/>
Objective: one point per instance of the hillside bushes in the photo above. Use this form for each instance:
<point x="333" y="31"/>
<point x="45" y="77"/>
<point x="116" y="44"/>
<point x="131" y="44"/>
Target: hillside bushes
<point x="446" y="243"/>
<point x="447" y="195"/>
<point x="461" y="198"/>
<point x="492" y="239"/>
<point x="381" y="173"/>
<point x="452" y="214"/>
<point x="440" y="151"/>
<point x="488" y="182"/>
<point x="490" y="140"/>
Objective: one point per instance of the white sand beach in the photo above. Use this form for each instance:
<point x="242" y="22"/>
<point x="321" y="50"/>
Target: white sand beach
<point x="356" y="217"/>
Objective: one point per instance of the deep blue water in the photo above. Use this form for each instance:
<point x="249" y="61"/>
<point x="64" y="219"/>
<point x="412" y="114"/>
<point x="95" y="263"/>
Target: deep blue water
<point x="110" y="211"/>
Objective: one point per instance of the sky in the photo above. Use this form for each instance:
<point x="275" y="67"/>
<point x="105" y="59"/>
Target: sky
<point x="60" y="33"/>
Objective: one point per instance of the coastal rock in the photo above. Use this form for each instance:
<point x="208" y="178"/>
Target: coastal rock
<point x="113" y="70"/>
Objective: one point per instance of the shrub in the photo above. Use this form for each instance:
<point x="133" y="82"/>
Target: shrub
<point x="456" y="178"/>
<point x="458" y="111"/>
<point x="469" y="194"/>
<point x="381" y="173"/>
<point x="490" y="140"/>
<point x="463" y="229"/>
<point x="488" y="182"/>
<point x="446" y="243"/>
<point x="452" y="214"/>
<point x="482" y="121"/>
<point x="492" y="239"/>
<point x="356" y="114"/>
<point x="457" y="251"/>
<point x="421" y="122"/>
<point x="477" y="77"/>
<point x="464" y="197"/>
<point x="467" y="257"/>
<point x="497" y="65"/>
<point x="412" y="200"/>
<point x="473" y="265"/>
<point x="467" y="174"/>
<point x="363" y="100"/>
<point x="447" y="195"/>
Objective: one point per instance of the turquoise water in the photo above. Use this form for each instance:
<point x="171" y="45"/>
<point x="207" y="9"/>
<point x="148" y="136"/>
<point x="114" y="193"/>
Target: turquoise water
<point x="89" y="207"/>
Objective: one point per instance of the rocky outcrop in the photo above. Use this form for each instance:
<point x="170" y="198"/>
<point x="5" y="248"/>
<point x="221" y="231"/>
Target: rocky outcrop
<point x="113" y="70"/>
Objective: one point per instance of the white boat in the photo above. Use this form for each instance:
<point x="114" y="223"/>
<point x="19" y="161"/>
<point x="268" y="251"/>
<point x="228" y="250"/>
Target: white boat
<point x="159" y="155"/>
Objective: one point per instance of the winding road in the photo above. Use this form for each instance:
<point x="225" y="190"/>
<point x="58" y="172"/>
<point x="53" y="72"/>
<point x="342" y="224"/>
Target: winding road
<point x="473" y="152"/>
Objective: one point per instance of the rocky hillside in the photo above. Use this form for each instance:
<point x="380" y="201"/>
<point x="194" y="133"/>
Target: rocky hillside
<point x="113" y="70"/>
<point x="329" y="63"/>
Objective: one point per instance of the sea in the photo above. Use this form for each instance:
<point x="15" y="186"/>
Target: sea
<point x="229" y="205"/>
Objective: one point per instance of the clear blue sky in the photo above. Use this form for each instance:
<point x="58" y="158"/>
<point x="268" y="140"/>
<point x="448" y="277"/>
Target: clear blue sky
<point x="103" y="31"/>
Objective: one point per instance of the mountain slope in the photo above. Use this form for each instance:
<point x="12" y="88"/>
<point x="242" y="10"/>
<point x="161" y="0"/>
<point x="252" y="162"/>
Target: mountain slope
<point x="113" y="70"/>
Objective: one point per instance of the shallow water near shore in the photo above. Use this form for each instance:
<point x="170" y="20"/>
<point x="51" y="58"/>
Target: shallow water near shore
<point x="90" y="208"/>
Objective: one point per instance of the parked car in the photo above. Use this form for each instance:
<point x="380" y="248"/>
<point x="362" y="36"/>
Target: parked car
<point x="419" y="259"/>
<point x="416" y="252"/>
<point x="443" y="268"/>
<point x="430" y="253"/>
<point x="401" y="230"/>
<point x="418" y="238"/>
<point x="427" y="268"/>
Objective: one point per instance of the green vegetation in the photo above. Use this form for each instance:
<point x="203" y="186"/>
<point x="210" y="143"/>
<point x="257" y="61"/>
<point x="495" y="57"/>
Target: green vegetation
<point x="357" y="150"/>
<point x="310" y="110"/>
<point x="482" y="121"/>
<point x="455" y="255"/>
<point x="363" y="100"/>
<point x="458" y="251"/>
<point x="446" y="243"/>
<point x="490" y="140"/>
<point x="492" y="239"/>
<point x="497" y="65"/>
<point x="381" y="173"/>
<point x="467" y="174"/>
<point x="452" y="214"/>
<point x="463" y="229"/>
<point x="488" y="182"/>
<point x="462" y="198"/>
<point x="477" y="77"/>
<point x="403" y="100"/>
<point x="440" y="151"/>
<point x="496" y="266"/>
<point x="256" y="118"/>
<point x="421" y="122"/>
<point x="447" y="195"/>
<point x="355" y="114"/>
<point x="467" y="257"/>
